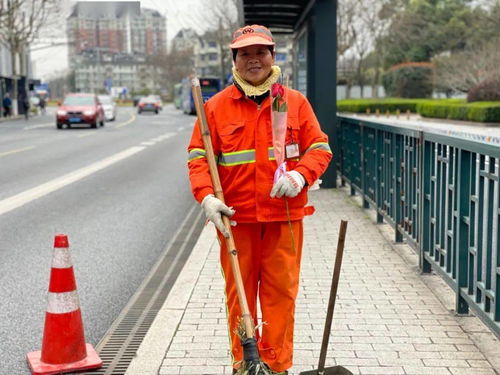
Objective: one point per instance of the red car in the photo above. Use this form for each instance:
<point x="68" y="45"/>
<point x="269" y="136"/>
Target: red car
<point x="80" y="109"/>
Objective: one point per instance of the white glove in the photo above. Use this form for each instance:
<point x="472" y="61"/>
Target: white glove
<point x="214" y="209"/>
<point x="289" y="185"/>
<point x="315" y="185"/>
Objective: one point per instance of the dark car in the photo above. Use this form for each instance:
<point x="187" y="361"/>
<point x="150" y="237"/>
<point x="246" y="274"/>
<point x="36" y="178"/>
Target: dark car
<point x="135" y="100"/>
<point x="78" y="109"/>
<point x="148" y="104"/>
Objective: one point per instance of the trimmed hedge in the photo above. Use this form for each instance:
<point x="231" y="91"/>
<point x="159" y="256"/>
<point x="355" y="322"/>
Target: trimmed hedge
<point x="478" y="111"/>
<point x="453" y="109"/>
<point x="383" y="105"/>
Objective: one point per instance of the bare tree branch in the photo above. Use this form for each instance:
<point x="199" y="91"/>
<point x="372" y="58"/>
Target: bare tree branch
<point x="20" y="24"/>
<point x="465" y="70"/>
<point x="346" y="12"/>
<point x="223" y="20"/>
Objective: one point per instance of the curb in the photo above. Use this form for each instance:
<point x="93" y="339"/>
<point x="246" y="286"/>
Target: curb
<point x="11" y="118"/>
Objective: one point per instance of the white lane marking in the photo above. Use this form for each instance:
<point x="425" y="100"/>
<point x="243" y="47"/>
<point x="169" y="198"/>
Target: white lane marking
<point x="61" y="258"/>
<point x="126" y="122"/>
<point x="86" y="135"/>
<point x="18" y="200"/>
<point x="16" y="151"/>
<point x="180" y="129"/>
<point x="163" y="137"/>
<point x="47" y="125"/>
<point x="147" y="143"/>
<point x="63" y="303"/>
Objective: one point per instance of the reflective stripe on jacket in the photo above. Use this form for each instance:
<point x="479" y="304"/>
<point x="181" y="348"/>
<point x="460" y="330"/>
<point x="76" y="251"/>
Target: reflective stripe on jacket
<point x="242" y="140"/>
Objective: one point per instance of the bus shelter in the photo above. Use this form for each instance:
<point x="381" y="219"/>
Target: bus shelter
<point x="313" y="24"/>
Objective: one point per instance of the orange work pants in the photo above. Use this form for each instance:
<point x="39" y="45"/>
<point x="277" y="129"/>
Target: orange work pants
<point x="270" y="270"/>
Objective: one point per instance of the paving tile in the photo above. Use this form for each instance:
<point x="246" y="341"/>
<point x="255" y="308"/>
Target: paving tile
<point x="472" y="371"/>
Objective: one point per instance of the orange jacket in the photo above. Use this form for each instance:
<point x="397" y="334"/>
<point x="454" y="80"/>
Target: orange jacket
<point x="242" y="140"/>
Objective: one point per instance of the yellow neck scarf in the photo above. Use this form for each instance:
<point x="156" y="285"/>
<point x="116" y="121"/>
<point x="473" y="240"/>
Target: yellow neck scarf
<point x="251" y="90"/>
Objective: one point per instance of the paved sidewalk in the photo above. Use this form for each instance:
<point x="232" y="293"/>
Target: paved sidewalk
<point x="11" y="118"/>
<point x="389" y="319"/>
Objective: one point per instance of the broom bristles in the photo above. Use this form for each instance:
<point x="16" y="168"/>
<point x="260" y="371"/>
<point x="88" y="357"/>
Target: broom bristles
<point x="250" y="368"/>
<point x="254" y="369"/>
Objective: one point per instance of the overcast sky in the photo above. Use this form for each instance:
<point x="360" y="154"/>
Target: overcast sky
<point x="51" y="61"/>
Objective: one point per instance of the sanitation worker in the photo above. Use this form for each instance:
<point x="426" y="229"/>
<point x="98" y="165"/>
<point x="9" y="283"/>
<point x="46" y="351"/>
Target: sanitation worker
<point x="268" y="214"/>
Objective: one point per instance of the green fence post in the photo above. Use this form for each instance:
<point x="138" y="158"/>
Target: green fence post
<point x="379" y="146"/>
<point x="462" y="237"/>
<point x="425" y="206"/>
<point x="397" y="188"/>
<point x="339" y="150"/>
<point x="363" y="165"/>
<point x="354" y="157"/>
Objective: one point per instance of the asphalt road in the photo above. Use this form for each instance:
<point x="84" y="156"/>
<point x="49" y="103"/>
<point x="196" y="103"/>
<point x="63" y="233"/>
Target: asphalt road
<point x="119" y="193"/>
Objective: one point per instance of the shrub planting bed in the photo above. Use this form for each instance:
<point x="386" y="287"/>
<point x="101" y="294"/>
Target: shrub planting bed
<point x="453" y="109"/>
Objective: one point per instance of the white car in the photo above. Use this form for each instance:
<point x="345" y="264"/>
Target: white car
<point x="157" y="98"/>
<point x="109" y="107"/>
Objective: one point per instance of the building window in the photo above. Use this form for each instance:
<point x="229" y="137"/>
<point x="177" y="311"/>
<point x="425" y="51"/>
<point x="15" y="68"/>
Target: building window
<point x="281" y="44"/>
<point x="281" y="57"/>
<point x="213" y="56"/>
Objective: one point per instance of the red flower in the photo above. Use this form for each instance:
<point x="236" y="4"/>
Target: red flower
<point x="277" y="90"/>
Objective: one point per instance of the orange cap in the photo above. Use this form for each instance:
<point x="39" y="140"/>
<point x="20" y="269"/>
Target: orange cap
<point x="251" y="35"/>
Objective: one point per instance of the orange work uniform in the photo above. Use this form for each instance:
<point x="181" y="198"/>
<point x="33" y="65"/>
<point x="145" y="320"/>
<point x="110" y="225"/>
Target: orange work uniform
<point x="269" y="259"/>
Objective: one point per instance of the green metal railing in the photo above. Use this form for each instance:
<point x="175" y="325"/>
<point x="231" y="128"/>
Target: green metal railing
<point x="441" y="194"/>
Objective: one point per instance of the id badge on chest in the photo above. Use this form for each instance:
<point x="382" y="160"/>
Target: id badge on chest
<point x="292" y="150"/>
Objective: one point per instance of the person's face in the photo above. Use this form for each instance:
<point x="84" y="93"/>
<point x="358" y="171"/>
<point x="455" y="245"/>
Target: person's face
<point x="254" y="63"/>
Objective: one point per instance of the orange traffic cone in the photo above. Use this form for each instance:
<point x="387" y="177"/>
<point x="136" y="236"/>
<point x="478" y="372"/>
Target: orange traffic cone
<point x="63" y="345"/>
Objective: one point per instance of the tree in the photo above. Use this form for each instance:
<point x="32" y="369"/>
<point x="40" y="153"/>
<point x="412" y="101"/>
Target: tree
<point x="461" y="71"/>
<point x="361" y="45"/>
<point x="173" y="67"/>
<point x="61" y="83"/>
<point x="20" y="24"/>
<point x="346" y="12"/>
<point x="376" y="17"/>
<point x="222" y="17"/>
<point x="425" y="28"/>
<point x="361" y="24"/>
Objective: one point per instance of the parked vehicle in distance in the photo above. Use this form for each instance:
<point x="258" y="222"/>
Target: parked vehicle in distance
<point x="135" y="100"/>
<point x="148" y="104"/>
<point x="178" y="95"/>
<point x="209" y="87"/>
<point x="109" y="107"/>
<point x="159" y="103"/>
<point x="80" y="108"/>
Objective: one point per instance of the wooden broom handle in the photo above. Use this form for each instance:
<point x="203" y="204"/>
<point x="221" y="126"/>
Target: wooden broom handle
<point x="333" y="295"/>
<point x="214" y="174"/>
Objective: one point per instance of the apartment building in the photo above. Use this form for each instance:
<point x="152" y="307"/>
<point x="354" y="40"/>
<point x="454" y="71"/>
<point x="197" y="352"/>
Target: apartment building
<point x="110" y="45"/>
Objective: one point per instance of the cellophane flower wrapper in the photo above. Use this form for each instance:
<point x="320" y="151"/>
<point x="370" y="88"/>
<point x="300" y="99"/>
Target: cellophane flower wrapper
<point x="279" y="121"/>
<point x="279" y="117"/>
